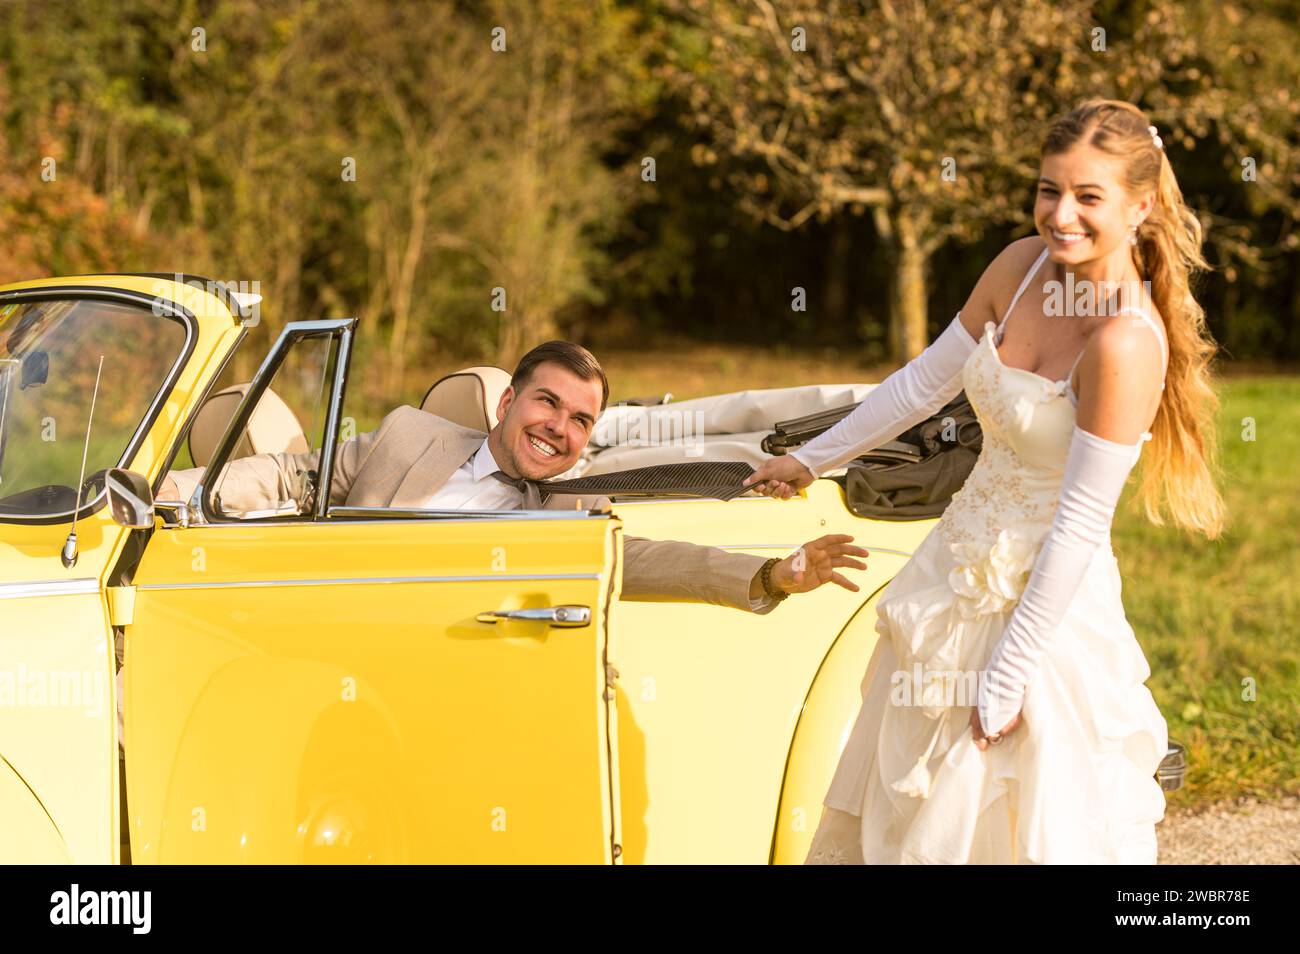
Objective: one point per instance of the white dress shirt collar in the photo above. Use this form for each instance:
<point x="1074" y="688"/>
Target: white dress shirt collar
<point x="484" y="464"/>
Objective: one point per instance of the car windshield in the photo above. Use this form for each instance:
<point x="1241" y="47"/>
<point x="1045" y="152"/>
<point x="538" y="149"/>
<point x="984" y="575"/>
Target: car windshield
<point x="51" y="353"/>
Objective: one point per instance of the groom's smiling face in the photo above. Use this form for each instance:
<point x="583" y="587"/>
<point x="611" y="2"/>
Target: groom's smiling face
<point x="545" y="426"/>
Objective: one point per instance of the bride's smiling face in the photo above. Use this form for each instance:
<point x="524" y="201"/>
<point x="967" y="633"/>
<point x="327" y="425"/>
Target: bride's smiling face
<point x="1083" y="211"/>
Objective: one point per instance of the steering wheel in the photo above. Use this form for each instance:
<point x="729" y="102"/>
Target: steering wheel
<point x="48" y="498"/>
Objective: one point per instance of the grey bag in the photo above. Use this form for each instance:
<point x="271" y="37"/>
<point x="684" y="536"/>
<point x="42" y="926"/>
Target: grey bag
<point x="948" y="445"/>
<point x="909" y="478"/>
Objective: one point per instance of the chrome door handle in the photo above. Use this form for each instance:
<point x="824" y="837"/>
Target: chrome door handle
<point x="564" y="616"/>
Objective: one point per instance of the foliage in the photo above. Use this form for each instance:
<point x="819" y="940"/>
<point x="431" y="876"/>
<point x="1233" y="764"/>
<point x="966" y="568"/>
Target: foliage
<point x="223" y="153"/>
<point x="931" y="113"/>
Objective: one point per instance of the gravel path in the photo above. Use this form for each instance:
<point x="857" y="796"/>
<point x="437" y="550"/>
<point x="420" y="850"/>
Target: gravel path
<point x="1240" y="832"/>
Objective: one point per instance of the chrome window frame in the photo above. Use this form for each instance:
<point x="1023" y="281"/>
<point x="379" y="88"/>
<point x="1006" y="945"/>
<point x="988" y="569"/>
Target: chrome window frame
<point x="292" y="333"/>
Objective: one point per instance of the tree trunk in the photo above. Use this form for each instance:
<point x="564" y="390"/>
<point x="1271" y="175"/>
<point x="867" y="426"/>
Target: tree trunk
<point x="907" y="304"/>
<point x="402" y="289"/>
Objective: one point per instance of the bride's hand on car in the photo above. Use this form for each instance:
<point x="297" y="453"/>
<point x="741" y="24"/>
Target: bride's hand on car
<point x="780" y="477"/>
<point x="977" y="729"/>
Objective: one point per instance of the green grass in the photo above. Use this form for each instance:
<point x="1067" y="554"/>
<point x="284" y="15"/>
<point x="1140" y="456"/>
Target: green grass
<point x="1215" y="617"/>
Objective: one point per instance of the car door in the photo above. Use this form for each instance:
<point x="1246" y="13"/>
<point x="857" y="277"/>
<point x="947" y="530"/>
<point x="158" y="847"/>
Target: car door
<point x="371" y="686"/>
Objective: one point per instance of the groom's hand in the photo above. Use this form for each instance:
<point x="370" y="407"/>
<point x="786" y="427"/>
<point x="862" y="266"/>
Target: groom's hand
<point x="815" y="563"/>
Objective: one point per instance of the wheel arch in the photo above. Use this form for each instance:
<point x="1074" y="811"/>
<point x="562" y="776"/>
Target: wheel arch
<point x="829" y="710"/>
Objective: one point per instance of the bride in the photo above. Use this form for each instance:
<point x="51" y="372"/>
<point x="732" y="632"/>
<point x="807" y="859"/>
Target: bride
<point x="1032" y="738"/>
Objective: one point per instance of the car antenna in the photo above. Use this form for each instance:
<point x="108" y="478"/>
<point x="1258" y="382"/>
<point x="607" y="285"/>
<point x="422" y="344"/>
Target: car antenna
<point x="69" y="554"/>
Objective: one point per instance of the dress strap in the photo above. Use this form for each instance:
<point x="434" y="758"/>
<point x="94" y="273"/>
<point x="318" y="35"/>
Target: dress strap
<point x="1020" y="291"/>
<point x="1069" y="375"/>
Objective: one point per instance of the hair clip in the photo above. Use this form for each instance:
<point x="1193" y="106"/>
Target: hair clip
<point x="1155" y="138"/>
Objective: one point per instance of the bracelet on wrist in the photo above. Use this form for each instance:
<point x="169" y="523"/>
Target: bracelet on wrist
<point x="765" y="577"/>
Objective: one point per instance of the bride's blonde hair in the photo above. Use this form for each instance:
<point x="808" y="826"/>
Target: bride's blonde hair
<point x="1180" y="465"/>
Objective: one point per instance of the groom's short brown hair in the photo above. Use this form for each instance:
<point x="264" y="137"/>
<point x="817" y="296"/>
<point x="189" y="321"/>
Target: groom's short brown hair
<point x="572" y="356"/>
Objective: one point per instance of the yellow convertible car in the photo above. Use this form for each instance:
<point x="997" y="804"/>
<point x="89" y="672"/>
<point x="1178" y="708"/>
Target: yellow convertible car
<point x="317" y="683"/>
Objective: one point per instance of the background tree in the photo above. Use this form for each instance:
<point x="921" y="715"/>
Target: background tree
<point x="927" y="113"/>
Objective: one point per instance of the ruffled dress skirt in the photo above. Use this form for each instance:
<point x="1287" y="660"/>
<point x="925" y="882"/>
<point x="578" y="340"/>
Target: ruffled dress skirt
<point x="1073" y="784"/>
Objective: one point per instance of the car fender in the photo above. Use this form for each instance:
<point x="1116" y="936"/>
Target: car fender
<point x="832" y="705"/>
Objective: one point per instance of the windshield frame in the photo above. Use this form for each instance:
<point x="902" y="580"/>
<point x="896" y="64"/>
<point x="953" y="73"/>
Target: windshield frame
<point x="155" y="305"/>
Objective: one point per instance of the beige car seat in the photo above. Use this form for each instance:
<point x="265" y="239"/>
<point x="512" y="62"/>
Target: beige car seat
<point x="468" y="397"/>
<point x="272" y="428"/>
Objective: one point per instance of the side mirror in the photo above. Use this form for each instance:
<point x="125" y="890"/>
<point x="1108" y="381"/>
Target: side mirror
<point x="130" y="501"/>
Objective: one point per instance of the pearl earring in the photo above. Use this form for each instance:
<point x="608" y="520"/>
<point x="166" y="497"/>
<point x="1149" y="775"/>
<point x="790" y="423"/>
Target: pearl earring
<point x="1132" y="235"/>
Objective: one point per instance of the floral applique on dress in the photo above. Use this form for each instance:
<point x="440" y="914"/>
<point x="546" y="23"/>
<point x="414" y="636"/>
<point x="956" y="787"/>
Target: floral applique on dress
<point x="991" y="578"/>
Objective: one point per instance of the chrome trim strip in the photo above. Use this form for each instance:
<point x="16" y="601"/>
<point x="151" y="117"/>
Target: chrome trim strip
<point x="791" y="547"/>
<point x="412" y="514"/>
<point x="19" y="591"/>
<point x="406" y="519"/>
<point x="362" y="580"/>
<point x="630" y="502"/>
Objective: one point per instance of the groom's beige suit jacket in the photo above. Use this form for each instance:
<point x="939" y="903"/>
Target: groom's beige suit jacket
<point x="412" y="453"/>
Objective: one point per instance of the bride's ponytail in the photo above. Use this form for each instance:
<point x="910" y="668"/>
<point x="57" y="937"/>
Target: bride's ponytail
<point x="1180" y="465"/>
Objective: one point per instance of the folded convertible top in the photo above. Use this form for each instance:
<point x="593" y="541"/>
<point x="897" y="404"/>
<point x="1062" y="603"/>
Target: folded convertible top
<point x="912" y="477"/>
<point x="787" y="435"/>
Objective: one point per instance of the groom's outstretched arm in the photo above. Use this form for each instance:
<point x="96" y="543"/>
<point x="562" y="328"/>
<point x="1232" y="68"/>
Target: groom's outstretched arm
<point x="677" y="571"/>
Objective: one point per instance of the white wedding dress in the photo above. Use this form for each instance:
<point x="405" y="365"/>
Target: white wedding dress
<point x="1074" y="783"/>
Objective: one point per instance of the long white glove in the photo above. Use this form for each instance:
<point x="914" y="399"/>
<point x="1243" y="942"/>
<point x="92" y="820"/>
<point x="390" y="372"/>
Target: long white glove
<point x="906" y="397"/>
<point x="1095" y="471"/>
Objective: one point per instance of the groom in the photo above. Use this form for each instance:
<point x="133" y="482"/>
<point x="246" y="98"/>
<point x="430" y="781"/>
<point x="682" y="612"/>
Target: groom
<point x="558" y="390"/>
